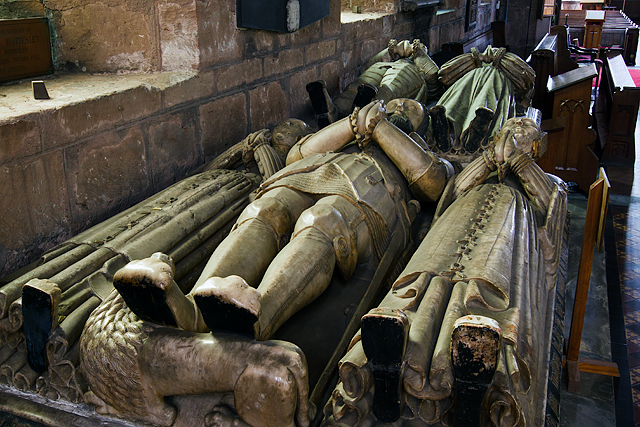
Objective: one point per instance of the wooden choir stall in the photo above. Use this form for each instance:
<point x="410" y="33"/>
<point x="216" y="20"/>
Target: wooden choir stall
<point x="618" y="31"/>
<point x="616" y="112"/>
<point x="568" y="153"/>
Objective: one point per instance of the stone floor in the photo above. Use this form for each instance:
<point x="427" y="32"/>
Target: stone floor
<point x="625" y="211"/>
<point x="625" y="313"/>
<point x="594" y="404"/>
<point x="626" y="219"/>
<point x="612" y="324"/>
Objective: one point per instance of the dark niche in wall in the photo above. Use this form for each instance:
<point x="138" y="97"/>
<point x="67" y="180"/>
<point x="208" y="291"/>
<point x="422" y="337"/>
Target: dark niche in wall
<point x="472" y="15"/>
<point x="285" y="16"/>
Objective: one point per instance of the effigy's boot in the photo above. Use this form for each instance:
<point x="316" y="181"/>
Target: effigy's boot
<point x="42" y="298"/>
<point x="477" y="133"/>
<point x="440" y="128"/>
<point x="148" y="288"/>
<point x="384" y="340"/>
<point x="475" y="350"/>
<point x="366" y="94"/>
<point x="228" y="304"/>
<point x="326" y="112"/>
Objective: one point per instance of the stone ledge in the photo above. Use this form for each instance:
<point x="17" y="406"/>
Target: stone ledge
<point x="41" y="411"/>
<point x="349" y="17"/>
<point x="16" y="100"/>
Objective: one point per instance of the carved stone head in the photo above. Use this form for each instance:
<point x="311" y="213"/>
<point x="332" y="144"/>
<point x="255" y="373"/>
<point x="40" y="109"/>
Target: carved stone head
<point x="528" y="136"/>
<point x="407" y="114"/>
<point x="286" y="134"/>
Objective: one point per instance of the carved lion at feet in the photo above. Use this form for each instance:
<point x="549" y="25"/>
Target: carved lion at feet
<point x="131" y="365"/>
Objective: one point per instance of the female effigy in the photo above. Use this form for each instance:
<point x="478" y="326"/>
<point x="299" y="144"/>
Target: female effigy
<point x="458" y="339"/>
<point x="483" y="92"/>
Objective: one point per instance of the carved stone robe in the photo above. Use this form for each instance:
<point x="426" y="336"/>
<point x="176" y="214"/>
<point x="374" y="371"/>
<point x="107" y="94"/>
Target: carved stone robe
<point x="483" y="256"/>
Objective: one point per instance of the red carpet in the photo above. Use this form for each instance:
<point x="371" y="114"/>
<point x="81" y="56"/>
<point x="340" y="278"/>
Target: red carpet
<point x="597" y="79"/>
<point x="635" y="75"/>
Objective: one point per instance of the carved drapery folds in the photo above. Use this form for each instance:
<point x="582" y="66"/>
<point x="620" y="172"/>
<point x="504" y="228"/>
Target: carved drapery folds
<point x="490" y="254"/>
<point x="43" y="310"/>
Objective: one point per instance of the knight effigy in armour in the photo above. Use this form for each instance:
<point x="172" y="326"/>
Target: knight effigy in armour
<point x="326" y="209"/>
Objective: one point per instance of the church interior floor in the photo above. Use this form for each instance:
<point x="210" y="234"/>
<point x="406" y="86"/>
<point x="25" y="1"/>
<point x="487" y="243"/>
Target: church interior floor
<point x="625" y="213"/>
<point x="626" y="220"/>
<point x="625" y="339"/>
<point x="614" y="293"/>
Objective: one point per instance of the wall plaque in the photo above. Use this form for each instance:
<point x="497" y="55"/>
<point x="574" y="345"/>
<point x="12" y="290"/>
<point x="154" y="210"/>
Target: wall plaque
<point x="25" y="50"/>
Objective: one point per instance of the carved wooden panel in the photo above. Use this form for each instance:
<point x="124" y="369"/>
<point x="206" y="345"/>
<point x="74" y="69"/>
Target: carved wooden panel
<point x="592" y="36"/>
<point x="568" y="154"/>
<point x="625" y="120"/>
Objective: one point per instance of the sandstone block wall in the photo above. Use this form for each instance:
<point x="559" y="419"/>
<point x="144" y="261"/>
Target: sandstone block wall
<point x="15" y="9"/>
<point x="105" y="142"/>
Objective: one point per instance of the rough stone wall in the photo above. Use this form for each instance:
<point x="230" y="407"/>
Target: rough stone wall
<point x="105" y="35"/>
<point x="15" y="9"/>
<point x="72" y="166"/>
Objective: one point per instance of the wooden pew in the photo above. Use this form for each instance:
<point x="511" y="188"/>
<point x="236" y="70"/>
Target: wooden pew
<point x="550" y="58"/>
<point x="616" y="112"/>
<point x="618" y="31"/>
<point x="568" y="153"/>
